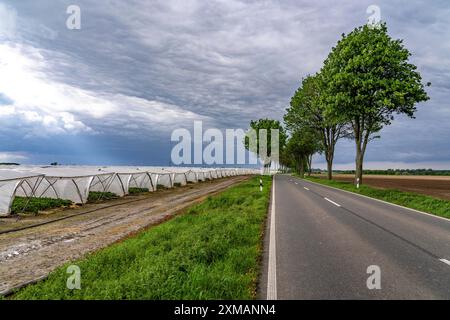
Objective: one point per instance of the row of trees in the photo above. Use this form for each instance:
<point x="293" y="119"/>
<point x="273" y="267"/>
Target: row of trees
<point x="366" y="80"/>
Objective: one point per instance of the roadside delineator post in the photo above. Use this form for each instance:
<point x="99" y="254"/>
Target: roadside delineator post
<point x="260" y="185"/>
<point x="357" y="183"/>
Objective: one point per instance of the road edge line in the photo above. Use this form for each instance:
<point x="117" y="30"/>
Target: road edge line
<point x="331" y="201"/>
<point x="390" y="203"/>
<point x="272" y="265"/>
<point x="445" y="261"/>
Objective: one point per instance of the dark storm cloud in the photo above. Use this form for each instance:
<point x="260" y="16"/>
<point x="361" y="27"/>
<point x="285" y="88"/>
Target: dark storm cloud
<point x="147" y="67"/>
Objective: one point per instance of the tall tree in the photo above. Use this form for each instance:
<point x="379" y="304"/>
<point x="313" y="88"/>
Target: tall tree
<point x="308" y="109"/>
<point x="268" y="125"/>
<point x="301" y="145"/>
<point x="369" y="80"/>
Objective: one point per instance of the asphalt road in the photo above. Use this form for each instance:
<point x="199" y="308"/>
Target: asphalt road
<point x="324" y="240"/>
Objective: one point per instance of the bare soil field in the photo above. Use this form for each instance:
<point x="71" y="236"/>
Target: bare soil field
<point x="56" y="238"/>
<point x="436" y="186"/>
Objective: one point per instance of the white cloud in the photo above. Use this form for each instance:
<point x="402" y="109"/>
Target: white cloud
<point x="7" y="111"/>
<point x="59" y="107"/>
<point x="12" y="156"/>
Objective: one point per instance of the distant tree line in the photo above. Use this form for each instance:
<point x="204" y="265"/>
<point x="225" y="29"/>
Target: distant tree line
<point x="364" y="82"/>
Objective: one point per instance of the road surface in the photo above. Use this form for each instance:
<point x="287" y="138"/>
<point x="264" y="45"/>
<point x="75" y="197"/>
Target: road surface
<point x="325" y="243"/>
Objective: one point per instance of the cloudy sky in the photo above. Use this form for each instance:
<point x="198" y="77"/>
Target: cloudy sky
<point x="113" y="91"/>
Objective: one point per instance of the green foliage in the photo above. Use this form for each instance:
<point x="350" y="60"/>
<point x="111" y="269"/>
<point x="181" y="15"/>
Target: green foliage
<point x="308" y="108"/>
<point x="407" y="199"/>
<point x="95" y="196"/>
<point x="369" y="80"/>
<point x="301" y="145"/>
<point x="34" y="205"/>
<point x="137" y="190"/>
<point x="308" y="111"/>
<point x="366" y="80"/>
<point x="265" y="124"/>
<point x="210" y="252"/>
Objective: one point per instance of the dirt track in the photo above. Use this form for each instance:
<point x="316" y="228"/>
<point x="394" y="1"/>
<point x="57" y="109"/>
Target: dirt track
<point x="28" y="255"/>
<point x="436" y="186"/>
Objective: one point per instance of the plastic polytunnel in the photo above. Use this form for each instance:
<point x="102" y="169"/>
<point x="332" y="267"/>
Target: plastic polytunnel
<point x="200" y="175"/>
<point x="14" y="182"/>
<point x="72" y="184"/>
<point x="126" y="178"/>
<point x="160" y="177"/>
<point x="207" y="175"/>
<point x="191" y="176"/>
<point x="75" y="183"/>
<point x="177" y="175"/>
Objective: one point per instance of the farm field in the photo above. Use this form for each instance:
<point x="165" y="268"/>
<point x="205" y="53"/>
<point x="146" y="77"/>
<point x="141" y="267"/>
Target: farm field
<point x="33" y="246"/>
<point x="211" y="251"/>
<point x="435" y="186"/>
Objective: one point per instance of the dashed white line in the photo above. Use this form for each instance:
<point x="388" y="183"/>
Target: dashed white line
<point x="272" y="268"/>
<point x="296" y="182"/>
<point x="306" y="188"/>
<point x="378" y="200"/>
<point x="336" y="204"/>
<point x="445" y="261"/>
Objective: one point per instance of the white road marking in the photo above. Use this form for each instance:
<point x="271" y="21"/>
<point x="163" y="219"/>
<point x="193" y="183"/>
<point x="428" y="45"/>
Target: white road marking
<point x="378" y="200"/>
<point x="306" y="188"/>
<point x="445" y="261"/>
<point x="272" y="269"/>
<point x="296" y="183"/>
<point x="336" y="204"/>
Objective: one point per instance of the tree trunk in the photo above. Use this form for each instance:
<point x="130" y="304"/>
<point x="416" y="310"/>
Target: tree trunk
<point x="310" y="165"/>
<point x="362" y="134"/>
<point x="329" y="157"/>
<point x="330" y="169"/>
<point x="302" y="168"/>
<point x="358" y="130"/>
<point x="359" y="167"/>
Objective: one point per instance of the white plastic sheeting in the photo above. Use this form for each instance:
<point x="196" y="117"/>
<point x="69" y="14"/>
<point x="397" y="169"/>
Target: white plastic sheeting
<point x="72" y="184"/>
<point x="12" y="181"/>
<point x="126" y="178"/>
<point x="75" y="183"/>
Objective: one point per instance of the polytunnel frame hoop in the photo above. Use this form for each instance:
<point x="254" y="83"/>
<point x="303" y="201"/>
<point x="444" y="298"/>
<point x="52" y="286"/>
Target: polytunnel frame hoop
<point x="33" y="190"/>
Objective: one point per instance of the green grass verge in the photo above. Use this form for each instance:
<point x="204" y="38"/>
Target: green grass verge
<point x="137" y="190"/>
<point x="407" y="199"/>
<point x="212" y="251"/>
<point x="96" y="196"/>
<point x="34" y="205"/>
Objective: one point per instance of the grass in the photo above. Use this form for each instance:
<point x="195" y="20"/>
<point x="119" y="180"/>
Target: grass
<point x="411" y="200"/>
<point x="96" y="196"/>
<point x="212" y="251"/>
<point x="34" y="205"/>
<point x="137" y="190"/>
